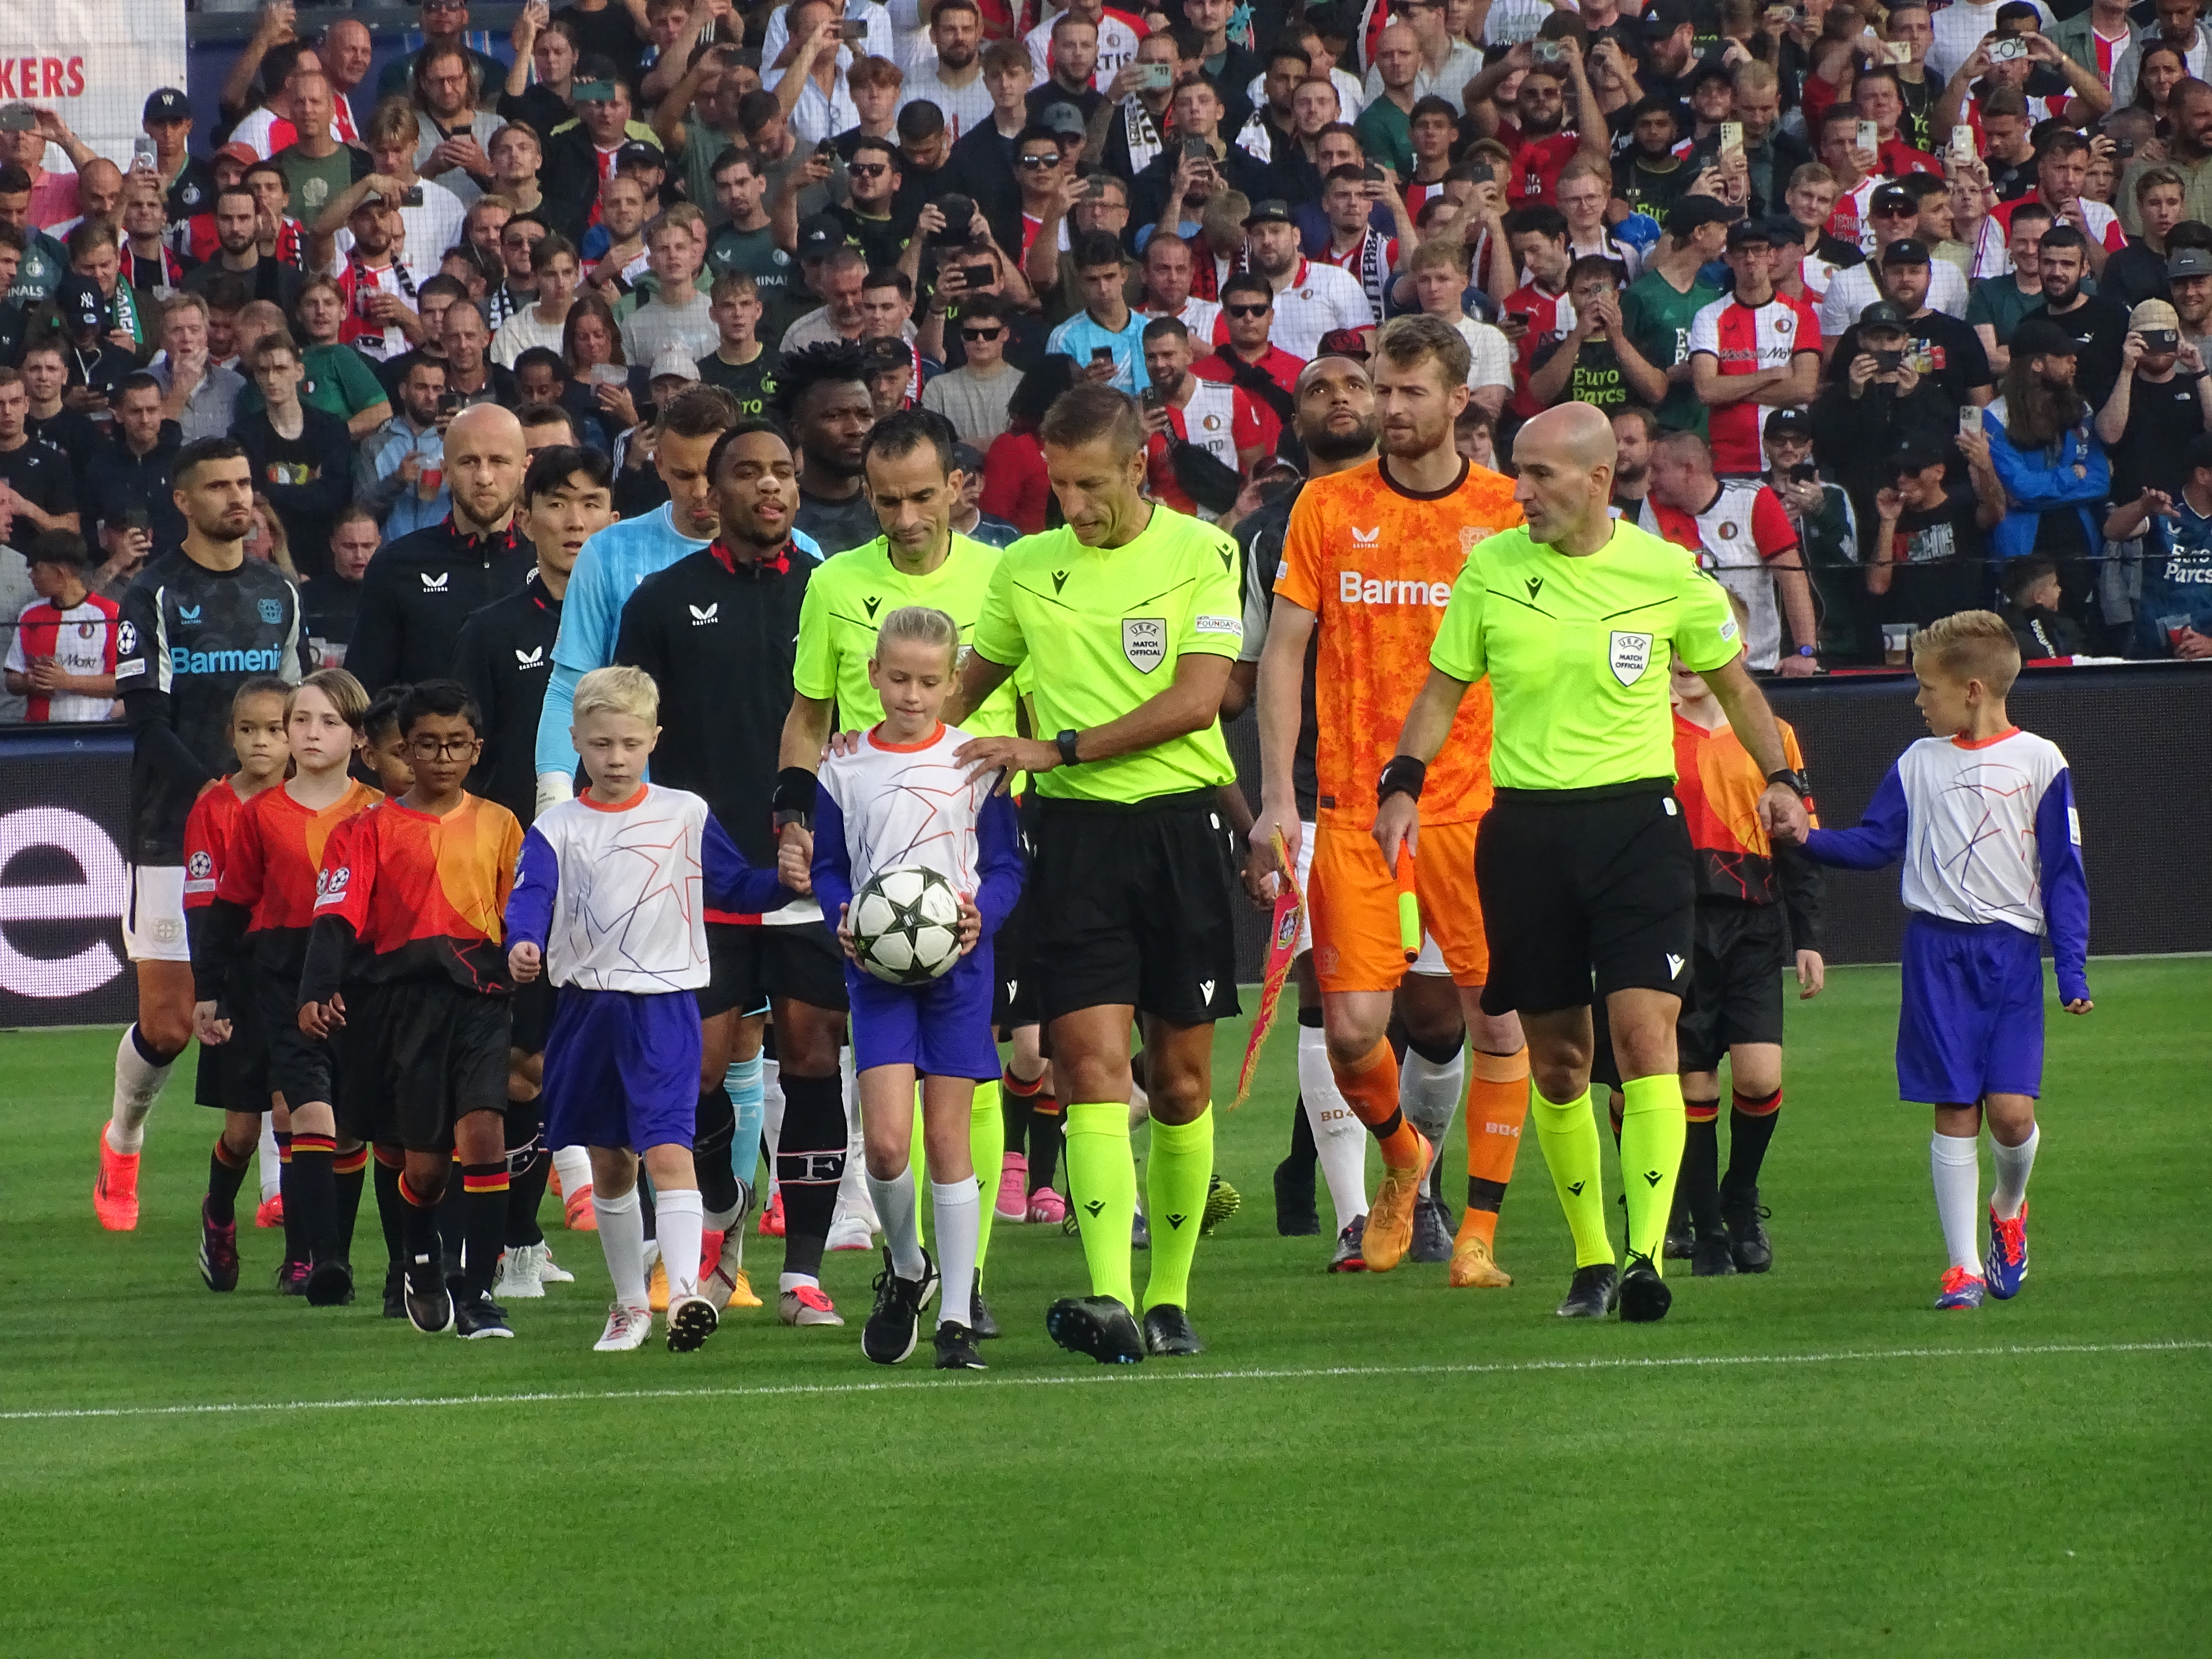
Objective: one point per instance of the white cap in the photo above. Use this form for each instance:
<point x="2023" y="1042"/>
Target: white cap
<point x="674" y="360"/>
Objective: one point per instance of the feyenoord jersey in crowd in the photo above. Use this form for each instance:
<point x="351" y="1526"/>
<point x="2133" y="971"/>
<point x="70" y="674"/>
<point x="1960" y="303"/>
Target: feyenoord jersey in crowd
<point x="187" y="639"/>
<point x="80" y="641"/>
<point x="617" y="895"/>
<point x="890" y="806"/>
<point x="1747" y="340"/>
<point x="1118" y="34"/>
<point x="1743" y="527"/>
<point x="273" y="865"/>
<point x="424" y="895"/>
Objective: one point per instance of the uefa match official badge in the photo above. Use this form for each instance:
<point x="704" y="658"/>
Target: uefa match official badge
<point x="1631" y="656"/>
<point x="1144" y="642"/>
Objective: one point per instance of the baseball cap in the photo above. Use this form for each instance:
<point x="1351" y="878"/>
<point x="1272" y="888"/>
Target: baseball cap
<point x="1788" y="423"/>
<point x="167" y="105"/>
<point x="1882" y="315"/>
<point x="2039" y="337"/>
<point x="1750" y="233"/>
<point x="966" y="458"/>
<point x="1907" y="250"/>
<point x="2188" y="262"/>
<point x="1664" y="18"/>
<point x="2153" y="314"/>
<point x="819" y="236"/>
<point x="639" y="153"/>
<point x="674" y="362"/>
<point x="594" y="82"/>
<point x="78" y="300"/>
<point x="1273" y="211"/>
<point x="1062" y="118"/>
<point x="18" y="118"/>
<point x="1915" y="455"/>
<point x="243" y="154"/>
<point x="1344" y="342"/>
<point x="1890" y="200"/>
<point x="1691" y="211"/>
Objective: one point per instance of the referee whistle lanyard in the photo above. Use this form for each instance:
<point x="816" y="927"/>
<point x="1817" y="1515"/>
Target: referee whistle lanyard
<point x="1409" y="906"/>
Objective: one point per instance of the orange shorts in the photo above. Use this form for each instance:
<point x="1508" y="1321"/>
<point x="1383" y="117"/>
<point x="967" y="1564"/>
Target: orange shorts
<point x="1351" y="902"/>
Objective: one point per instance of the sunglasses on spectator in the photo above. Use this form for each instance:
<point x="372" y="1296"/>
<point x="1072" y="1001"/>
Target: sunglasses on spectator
<point x="991" y="333"/>
<point x="1052" y="160"/>
<point x="866" y="169"/>
<point x="1248" y="311"/>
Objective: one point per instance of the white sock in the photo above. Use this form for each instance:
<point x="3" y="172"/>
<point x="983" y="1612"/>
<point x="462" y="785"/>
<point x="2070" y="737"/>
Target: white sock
<point x="771" y="1114"/>
<point x="853" y="1189"/>
<point x="574" y="1165"/>
<point x="1339" y="1138"/>
<point x="1428" y="1095"/>
<point x="1955" y="1161"/>
<point x="138" y="1085"/>
<point x="959" y="1214"/>
<point x="894" y="1204"/>
<point x="273" y="1168"/>
<point x="2013" y="1165"/>
<point x="676" y="1216"/>
<point x="621" y="1240"/>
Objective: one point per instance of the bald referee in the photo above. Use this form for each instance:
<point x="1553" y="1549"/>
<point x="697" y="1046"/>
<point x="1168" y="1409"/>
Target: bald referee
<point x="1583" y="863"/>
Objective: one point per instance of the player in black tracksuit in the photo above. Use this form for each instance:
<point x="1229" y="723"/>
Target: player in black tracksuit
<point x="718" y="631"/>
<point x="420" y="591"/>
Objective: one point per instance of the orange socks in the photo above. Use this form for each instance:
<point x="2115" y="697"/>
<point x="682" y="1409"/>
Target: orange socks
<point x="1371" y="1088"/>
<point x="1497" y="1104"/>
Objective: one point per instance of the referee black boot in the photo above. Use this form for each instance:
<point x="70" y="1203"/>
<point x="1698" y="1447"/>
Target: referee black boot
<point x="1591" y="1294"/>
<point x="1297" y="1213"/>
<point x="1645" y="1297"/>
<point x="1168" y="1331"/>
<point x="1097" y="1325"/>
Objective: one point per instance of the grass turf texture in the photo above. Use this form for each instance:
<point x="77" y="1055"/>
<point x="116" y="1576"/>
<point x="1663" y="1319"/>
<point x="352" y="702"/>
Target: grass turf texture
<point x="1809" y="1462"/>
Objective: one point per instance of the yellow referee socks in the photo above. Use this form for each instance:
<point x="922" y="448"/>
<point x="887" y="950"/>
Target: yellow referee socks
<point x="1176" y="1175"/>
<point x="1653" y="1128"/>
<point x="1102" y="1187"/>
<point x="1568" y="1134"/>
<point x="987" y="1146"/>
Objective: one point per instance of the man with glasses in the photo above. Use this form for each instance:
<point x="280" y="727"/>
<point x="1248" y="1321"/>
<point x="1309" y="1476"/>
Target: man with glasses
<point x="974" y="397"/>
<point x="421" y="589"/>
<point x="444" y="23"/>
<point x="1250" y="360"/>
<point x="872" y="180"/>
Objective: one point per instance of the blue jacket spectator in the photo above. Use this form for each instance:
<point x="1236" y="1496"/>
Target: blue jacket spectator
<point x="2044" y="451"/>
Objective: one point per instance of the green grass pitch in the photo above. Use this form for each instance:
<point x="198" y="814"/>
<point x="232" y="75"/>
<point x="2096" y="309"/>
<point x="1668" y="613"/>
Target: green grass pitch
<point x="1812" y="1463"/>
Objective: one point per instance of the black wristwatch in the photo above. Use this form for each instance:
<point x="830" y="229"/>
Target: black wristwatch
<point x="1794" y="782"/>
<point x="1065" y="744"/>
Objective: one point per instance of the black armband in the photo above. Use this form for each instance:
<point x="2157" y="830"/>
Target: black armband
<point x="791" y="801"/>
<point x="1403" y="776"/>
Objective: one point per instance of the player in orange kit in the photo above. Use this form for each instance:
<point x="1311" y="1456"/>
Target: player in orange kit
<point x="1370" y="560"/>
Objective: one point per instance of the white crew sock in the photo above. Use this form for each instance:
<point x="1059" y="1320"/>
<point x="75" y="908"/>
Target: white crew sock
<point x="960" y="1213"/>
<point x="894" y="1204"/>
<point x="852" y="1189"/>
<point x="676" y="1217"/>
<point x="574" y="1165"/>
<point x="1954" y="1162"/>
<point x="621" y="1240"/>
<point x="1428" y="1095"/>
<point x="771" y="1114"/>
<point x="1339" y="1138"/>
<point x="138" y="1085"/>
<point x="272" y="1167"/>
<point x="2013" y="1163"/>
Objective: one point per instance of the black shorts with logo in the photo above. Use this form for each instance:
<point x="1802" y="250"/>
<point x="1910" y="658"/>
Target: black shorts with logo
<point x="1584" y="884"/>
<point x="751" y="964"/>
<point x="423" y="1054"/>
<point x="233" y="1076"/>
<point x="1135" y="904"/>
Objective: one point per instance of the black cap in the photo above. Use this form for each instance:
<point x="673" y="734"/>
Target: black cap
<point x="1062" y="118"/>
<point x="1665" y="17"/>
<point x="638" y="153"/>
<point x="1691" y="211"/>
<point x="966" y="458"/>
<point x="2188" y="262"/>
<point x="167" y="105"/>
<point x="820" y="235"/>
<point x="2039" y="337"/>
<point x="1273" y="211"/>
<point x="1788" y="423"/>
<point x="1895" y="200"/>
<point x="78" y="301"/>
<point x="1907" y="250"/>
<point x="1750" y="233"/>
<point x="1915" y="455"/>
<point x="1882" y="315"/>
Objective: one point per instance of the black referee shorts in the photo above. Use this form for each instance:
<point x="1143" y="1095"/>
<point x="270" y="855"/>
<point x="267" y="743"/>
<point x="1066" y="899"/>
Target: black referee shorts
<point x="427" y="1055"/>
<point x="1736" y="981"/>
<point x="1584" y="885"/>
<point x="1135" y="904"/>
<point x="233" y="1076"/>
<point x="749" y="964"/>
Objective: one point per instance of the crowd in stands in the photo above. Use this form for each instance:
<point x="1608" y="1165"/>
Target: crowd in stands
<point x="1896" y="312"/>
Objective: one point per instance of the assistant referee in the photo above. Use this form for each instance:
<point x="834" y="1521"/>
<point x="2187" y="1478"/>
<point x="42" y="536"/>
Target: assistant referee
<point x="1583" y="863"/>
<point x="1130" y="618"/>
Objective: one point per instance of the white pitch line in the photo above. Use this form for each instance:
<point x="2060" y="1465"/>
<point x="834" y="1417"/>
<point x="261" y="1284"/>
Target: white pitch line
<point x="1109" y="1375"/>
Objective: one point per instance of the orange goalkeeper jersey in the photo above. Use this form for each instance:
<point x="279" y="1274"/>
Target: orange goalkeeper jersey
<point x="1376" y="563"/>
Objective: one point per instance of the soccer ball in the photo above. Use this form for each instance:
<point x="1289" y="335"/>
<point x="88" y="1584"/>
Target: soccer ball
<point x="906" y="926"/>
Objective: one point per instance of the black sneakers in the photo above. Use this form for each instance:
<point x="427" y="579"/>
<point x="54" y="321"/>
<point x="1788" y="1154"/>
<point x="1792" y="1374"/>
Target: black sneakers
<point x="395" y="1293"/>
<point x="1296" y="1213"/>
<point x="429" y="1305"/>
<point x="475" y="1317"/>
<point x="956" y="1349"/>
<point x="1644" y="1295"/>
<point x="894" y="1323"/>
<point x="1168" y="1332"/>
<point x="985" y="1326"/>
<point x="330" y="1283"/>
<point x="1097" y="1325"/>
<point x="1711" y="1256"/>
<point x="1591" y="1294"/>
<point x="218" y="1253"/>
<point x="1432" y="1231"/>
<point x="1747" y="1230"/>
